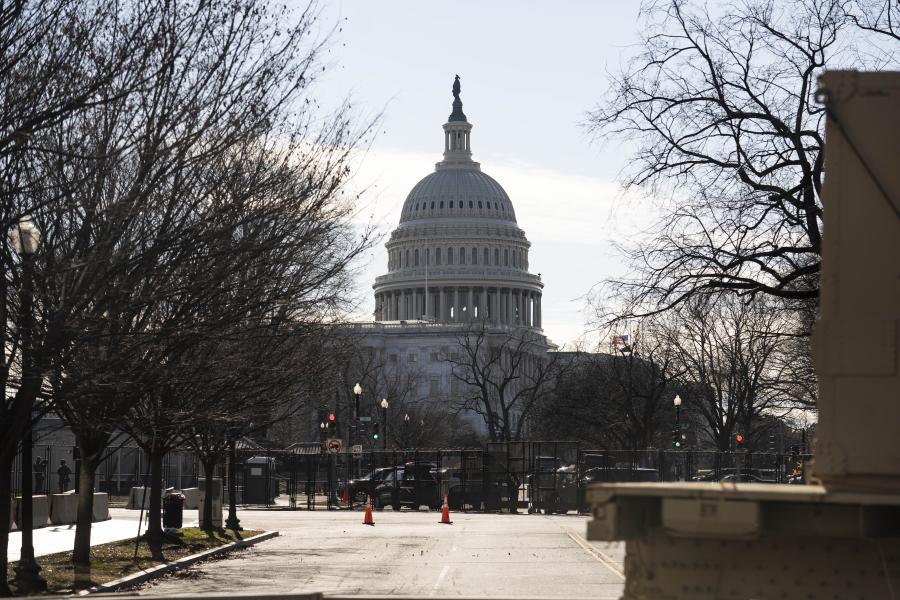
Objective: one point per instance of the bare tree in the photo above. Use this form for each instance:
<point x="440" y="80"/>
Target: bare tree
<point x="54" y="64"/>
<point x="503" y="375"/>
<point x="731" y="352"/>
<point x="876" y="16"/>
<point x="154" y="198"/>
<point x="620" y="399"/>
<point x="720" y="103"/>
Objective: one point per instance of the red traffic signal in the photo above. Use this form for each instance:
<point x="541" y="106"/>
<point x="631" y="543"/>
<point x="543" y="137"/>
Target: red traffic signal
<point x="738" y="437"/>
<point x="331" y="417"/>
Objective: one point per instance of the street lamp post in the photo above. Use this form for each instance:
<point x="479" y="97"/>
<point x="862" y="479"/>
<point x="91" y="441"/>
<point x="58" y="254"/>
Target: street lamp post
<point x="355" y="426"/>
<point x="406" y="430"/>
<point x="384" y="407"/>
<point x="25" y="240"/>
<point x="677" y="437"/>
<point x="677" y="403"/>
<point x="357" y="391"/>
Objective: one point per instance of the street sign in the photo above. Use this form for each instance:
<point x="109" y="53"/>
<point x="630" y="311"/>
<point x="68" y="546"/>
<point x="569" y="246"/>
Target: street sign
<point x="333" y="445"/>
<point x="357" y="449"/>
<point x="365" y="419"/>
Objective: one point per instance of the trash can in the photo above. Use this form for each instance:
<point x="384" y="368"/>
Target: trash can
<point x="173" y="510"/>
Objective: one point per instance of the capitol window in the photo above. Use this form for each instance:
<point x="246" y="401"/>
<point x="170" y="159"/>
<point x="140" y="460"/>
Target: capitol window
<point x="437" y="256"/>
<point x="432" y="206"/>
<point x="442" y="204"/>
<point x="506" y="257"/>
<point x="416" y="257"/>
<point x="496" y="257"/>
<point x="449" y="256"/>
<point x="487" y="257"/>
<point x="451" y="204"/>
<point x="471" y="204"/>
<point x="474" y="256"/>
<point x="462" y="256"/>
<point x="479" y="204"/>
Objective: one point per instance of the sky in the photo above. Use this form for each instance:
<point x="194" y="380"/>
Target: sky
<point x="530" y="72"/>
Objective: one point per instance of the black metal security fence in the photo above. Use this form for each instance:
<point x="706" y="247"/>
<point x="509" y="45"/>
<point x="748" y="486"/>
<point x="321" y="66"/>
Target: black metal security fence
<point x="123" y="468"/>
<point x="544" y="476"/>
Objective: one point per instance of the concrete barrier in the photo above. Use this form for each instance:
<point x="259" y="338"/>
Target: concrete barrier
<point x="191" y="498"/>
<point x="137" y="493"/>
<point x="63" y="508"/>
<point x="101" y="506"/>
<point x="40" y="511"/>
<point x="135" y="497"/>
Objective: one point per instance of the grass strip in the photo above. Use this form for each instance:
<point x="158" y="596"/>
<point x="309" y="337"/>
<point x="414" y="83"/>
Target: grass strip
<point x="116" y="559"/>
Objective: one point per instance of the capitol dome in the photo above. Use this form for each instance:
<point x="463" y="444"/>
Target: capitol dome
<point x="458" y="253"/>
<point x="457" y="193"/>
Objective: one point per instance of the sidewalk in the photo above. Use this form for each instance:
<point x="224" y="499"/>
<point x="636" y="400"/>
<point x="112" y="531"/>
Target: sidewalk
<point x="60" y="538"/>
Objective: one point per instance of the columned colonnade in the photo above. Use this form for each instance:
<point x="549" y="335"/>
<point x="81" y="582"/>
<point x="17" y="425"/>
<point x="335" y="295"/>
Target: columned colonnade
<point x="456" y="304"/>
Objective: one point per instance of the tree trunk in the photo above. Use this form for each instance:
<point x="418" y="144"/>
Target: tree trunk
<point x="154" y="511"/>
<point x="81" y="553"/>
<point x="5" y="509"/>
<point x="206" y="521"/>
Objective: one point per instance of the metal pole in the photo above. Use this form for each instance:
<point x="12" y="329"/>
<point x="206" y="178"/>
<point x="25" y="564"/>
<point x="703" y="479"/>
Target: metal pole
<point x="233" y="523"/>
<point x="385" y="432"/>
<point x="28" y="576"/>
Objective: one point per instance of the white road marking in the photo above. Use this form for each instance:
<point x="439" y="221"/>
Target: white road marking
<point x="440" y="578"/>
<point x="607" y="562"/>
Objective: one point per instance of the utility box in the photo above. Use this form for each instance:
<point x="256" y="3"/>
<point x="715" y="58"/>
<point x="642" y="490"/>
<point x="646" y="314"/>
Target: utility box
<point x="260" y="481"/>
<point x="216" y="503"/>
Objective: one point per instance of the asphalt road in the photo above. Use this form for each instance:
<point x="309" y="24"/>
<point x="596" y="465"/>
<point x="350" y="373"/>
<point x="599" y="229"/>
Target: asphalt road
<point x="411" y="554"/>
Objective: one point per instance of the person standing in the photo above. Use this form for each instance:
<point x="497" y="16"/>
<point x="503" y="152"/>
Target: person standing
<point x="63" y="472"/>
<point x="39" y="466"/>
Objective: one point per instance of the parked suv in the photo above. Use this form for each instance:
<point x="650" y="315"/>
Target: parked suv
<point x="412" y="485"/>
<point x="363" y="487"/>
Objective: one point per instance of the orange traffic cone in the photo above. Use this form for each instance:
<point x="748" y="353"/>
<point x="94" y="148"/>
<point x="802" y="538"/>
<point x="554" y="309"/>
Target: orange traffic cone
<point x="345" y="497"/>
<point x="445" y="513"/>
<point x="367" y="520"/>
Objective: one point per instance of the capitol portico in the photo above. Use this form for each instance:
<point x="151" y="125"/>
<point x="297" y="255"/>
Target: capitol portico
<point x="458" y="254"/>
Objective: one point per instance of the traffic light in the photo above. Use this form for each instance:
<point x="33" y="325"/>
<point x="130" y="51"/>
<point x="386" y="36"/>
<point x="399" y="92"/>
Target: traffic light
<point x="740" y="441"/>
<point x="374" y="431"/>
<point x="676" y="439"/>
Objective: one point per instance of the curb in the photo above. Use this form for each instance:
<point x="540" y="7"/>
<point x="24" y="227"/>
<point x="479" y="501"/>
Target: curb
<point x="160" y="570"/>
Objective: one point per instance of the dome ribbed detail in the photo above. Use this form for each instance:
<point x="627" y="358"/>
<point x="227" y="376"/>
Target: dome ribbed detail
<point x="458" y="193"/>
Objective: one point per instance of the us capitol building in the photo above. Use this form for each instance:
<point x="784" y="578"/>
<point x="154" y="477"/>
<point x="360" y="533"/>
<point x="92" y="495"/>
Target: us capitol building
<point x="457" y="259"/>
